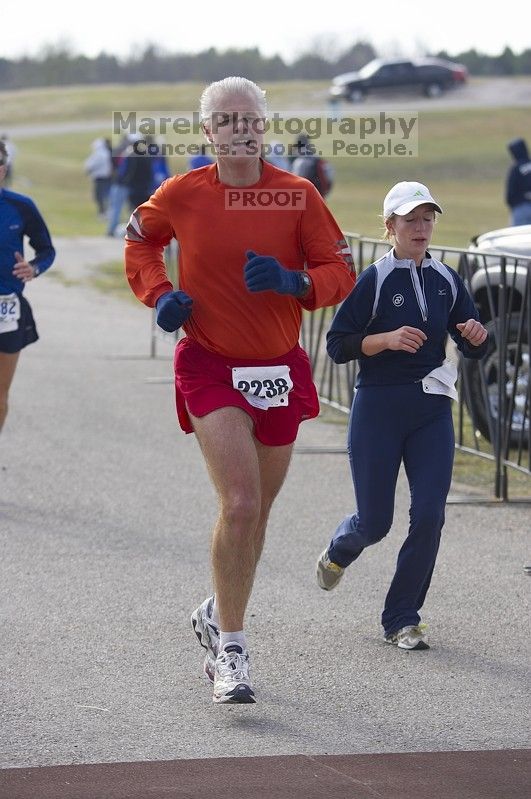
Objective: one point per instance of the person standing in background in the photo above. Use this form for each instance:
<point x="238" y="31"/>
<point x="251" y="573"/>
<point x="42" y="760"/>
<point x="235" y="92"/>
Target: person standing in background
<point x="137" y="170"/>
<point x="518" y="183"/>
<point x="99" y="166"/>
<point x="119" y="193"/>
<point x="11" y="152"/>
<point x="159" y="165"/>
<point x="306" y="163"/>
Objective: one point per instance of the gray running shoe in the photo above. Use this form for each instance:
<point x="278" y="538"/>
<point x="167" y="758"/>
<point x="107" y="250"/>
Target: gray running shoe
<point x="410" y="637"/>
<point x="328" y="572"/>
<point x="232" y="685"/>
<point x="207" y="634"/>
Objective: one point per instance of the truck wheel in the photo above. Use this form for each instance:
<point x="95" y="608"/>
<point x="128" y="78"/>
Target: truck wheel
<point x="484" y="414"/>
<point x="433" y="90"/>
<point x="356" y="95"/>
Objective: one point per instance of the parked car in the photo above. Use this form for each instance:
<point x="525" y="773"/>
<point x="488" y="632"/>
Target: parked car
<point x="482" y="267"/>
<point x="430" y="76"/>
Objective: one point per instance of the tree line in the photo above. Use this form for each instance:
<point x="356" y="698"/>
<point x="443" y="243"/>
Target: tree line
<point x="58" y="66"/>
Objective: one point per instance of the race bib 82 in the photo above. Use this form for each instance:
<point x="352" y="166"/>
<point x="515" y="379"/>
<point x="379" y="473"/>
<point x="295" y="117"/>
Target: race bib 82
<point x="9" y="312"/>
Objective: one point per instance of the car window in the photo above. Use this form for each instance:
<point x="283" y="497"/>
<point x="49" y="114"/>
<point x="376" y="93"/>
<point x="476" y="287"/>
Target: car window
<point x="402" y="70"/>
<point x="369" y="69"/>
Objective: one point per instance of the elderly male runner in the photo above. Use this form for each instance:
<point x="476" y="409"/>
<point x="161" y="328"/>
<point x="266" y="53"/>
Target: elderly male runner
<point x="248" y="265"/>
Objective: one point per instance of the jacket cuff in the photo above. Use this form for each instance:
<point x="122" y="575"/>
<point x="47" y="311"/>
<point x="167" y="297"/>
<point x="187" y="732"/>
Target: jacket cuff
<point x="351" y="346"/>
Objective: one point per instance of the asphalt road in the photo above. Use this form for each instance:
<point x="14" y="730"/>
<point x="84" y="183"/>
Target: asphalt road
<point x="105" y="518"/>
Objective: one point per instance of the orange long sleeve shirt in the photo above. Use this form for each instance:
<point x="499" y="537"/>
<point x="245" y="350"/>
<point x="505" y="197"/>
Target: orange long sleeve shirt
<point x="214" y="230"/>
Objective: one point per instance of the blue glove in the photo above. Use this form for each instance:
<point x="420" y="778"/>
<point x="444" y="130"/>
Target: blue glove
<point x="173" y="308"/>
<point x="265" y="273"/>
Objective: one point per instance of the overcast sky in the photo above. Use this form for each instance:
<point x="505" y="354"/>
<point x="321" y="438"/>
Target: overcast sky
<point x="276" y="26"/>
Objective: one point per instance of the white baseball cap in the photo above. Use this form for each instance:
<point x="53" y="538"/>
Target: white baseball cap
<point x="405" y="196"/>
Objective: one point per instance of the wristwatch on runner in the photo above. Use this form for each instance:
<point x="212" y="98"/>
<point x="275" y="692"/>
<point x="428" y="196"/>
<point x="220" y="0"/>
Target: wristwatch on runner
<point x="306" y="283"/>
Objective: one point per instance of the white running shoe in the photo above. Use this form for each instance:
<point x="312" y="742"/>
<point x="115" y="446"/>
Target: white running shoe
<point x="328" y="572"/>
<point x="410" y="637"/>
<point x="232" y="684"/>
<point x="207" y="632"/>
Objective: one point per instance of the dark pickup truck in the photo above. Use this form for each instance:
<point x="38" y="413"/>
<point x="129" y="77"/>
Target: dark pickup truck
<point x="430" y="76"/>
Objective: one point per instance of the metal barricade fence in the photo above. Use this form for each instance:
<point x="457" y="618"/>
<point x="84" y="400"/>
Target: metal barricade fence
<point x="492" y="413"/>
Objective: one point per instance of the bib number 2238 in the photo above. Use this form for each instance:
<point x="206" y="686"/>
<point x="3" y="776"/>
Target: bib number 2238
<point x="263" y="386"/>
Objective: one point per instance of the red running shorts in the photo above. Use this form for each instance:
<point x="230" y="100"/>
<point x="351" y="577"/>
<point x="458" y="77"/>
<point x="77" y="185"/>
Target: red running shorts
<point x="204" y="383"/>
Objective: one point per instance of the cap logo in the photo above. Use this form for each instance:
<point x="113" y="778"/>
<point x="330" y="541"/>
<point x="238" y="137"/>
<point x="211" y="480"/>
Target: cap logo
<point x="418" y="193"/>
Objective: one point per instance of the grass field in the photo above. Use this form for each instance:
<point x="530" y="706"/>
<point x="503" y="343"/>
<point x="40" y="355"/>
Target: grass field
<point x="71" y="103"/>
<point x="462" y="155"/>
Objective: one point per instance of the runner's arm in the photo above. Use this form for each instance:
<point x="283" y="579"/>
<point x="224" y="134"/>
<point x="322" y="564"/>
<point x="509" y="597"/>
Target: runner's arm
<point x="148" y="232"/>
<point x="39" y="239"/>
<point x="328" y="258"/>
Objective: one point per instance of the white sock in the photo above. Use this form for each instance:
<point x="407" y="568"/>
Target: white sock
<point x="215" y="611"/>
<point x="232" y="638"/>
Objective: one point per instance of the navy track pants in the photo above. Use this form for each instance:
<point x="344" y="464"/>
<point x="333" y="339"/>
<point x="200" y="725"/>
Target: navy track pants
<point x="388" y="425"/>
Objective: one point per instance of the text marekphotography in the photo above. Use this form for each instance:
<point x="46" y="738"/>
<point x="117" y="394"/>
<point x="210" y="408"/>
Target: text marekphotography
<point x="380" y="135"/>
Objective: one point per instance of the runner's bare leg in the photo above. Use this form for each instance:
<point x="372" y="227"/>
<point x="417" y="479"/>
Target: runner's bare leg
<point x="8" y="365"/>
<point x="247" y="476"/>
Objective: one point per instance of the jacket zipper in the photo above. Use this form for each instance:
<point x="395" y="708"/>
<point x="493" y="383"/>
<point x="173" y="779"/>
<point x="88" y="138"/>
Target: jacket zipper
<point x="419" y="291"/>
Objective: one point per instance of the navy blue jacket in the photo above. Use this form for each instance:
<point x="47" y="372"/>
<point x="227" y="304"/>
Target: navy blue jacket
<point x="19" y="217"/>
<point x="392" y="293"/>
